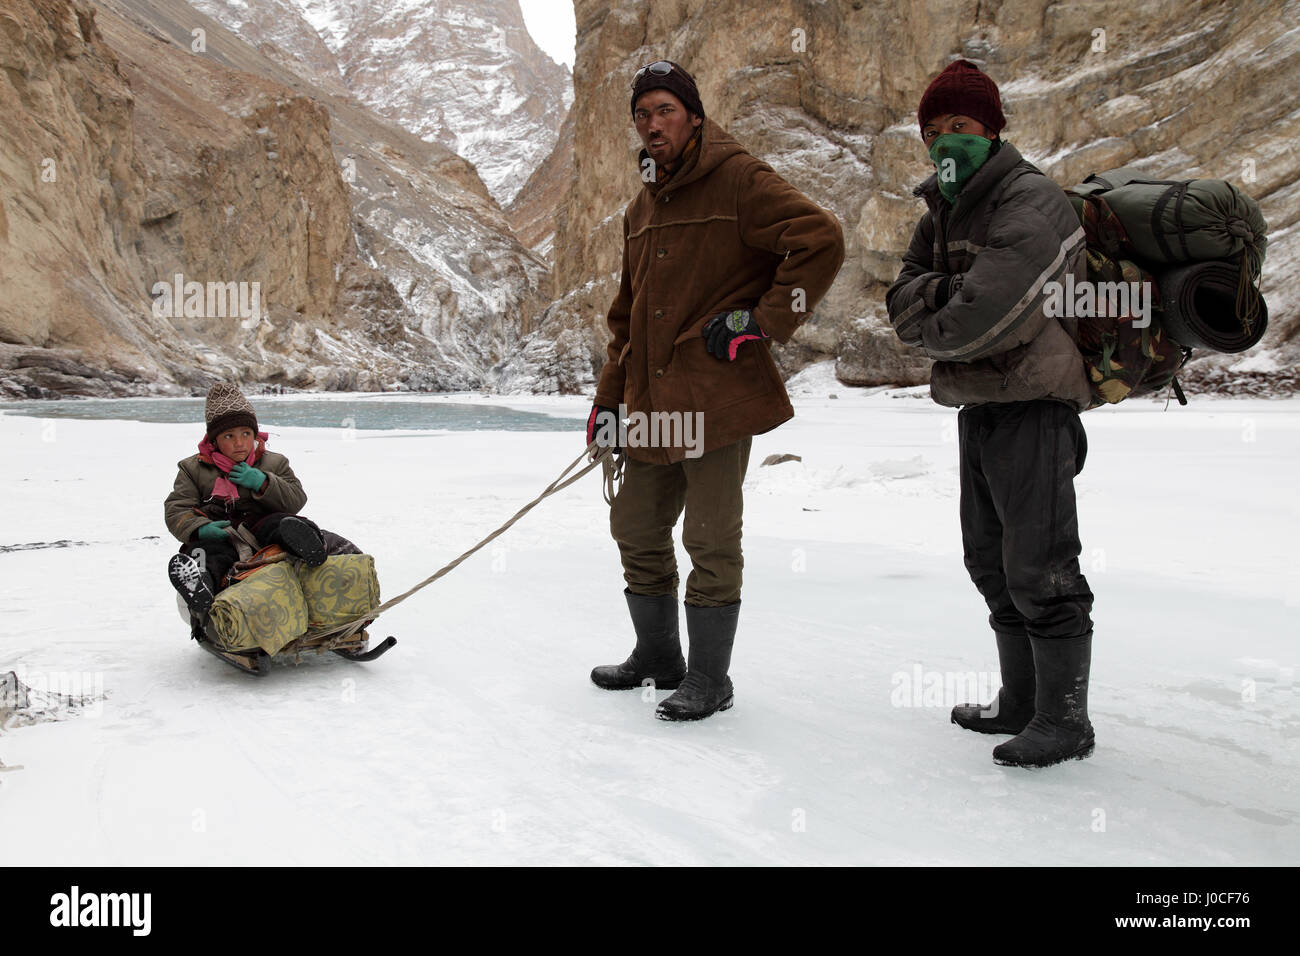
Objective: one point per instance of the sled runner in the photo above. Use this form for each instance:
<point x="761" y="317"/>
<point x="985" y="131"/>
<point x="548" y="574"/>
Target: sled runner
<point x="354" y="648"/>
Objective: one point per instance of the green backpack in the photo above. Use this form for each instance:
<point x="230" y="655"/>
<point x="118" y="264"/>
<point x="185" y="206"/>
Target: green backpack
<point x="1142" y="230"/>
<point x="1170" y="222"/>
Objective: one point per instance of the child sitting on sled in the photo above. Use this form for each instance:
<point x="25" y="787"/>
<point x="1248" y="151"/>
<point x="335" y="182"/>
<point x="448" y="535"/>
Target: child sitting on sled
<point x="234" y="482"/>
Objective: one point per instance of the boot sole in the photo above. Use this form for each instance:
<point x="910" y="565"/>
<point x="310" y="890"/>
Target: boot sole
<point x="658" y="685"/>
<point x="676" y="718"/>
<point x="188" y="581"/>
<point x="302" y="542"/>
<point x="986" y="727"/>
<point x="1081" y="754"/>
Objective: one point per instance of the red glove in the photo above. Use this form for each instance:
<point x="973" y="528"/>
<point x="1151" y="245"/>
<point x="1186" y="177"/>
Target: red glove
<point x="601" y="424"/>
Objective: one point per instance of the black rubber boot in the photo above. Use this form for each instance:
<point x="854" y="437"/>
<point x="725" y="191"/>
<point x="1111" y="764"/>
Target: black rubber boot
<point x="301" y="540"/>
<point x="707" y="688"/>
<point x="1014" y="707"/>
<point x="193" y="583"/>
<point x="657" y="657"/>
<point x="1060" y="729"/>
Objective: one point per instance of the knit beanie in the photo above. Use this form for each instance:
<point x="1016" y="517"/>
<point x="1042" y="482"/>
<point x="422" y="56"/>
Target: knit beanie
<point x="676" y="81"/>
<point x="227" y="408"/>
<point x="963" y="88"/>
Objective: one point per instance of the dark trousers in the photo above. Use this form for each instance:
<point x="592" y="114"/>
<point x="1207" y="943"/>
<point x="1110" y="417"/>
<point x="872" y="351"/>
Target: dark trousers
<point x="1019" y="525"/>
<point x="648" y="506"/>
<point x="218" y="557"/>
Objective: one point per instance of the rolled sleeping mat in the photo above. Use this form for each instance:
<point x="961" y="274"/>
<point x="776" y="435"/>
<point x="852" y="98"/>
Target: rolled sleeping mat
<point x="1176" y="221"/>
<point x="344" y="588"/>
<point x="1208" y="305"/>
<point x="265" y="610"/>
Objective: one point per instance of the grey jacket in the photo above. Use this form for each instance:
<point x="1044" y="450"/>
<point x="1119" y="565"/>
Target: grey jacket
<point x="1010" y="233"/>
<point x="190" y="505"/>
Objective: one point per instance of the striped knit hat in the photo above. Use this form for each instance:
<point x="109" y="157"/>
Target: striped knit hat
<point x="227" y="408"/>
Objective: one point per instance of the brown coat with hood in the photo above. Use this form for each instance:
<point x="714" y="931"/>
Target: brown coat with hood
<point x="723" y="232"/>
<point x="190" y="505"/>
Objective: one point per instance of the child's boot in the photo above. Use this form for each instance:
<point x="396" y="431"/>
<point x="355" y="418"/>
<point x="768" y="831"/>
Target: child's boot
<point x="193" y="583"/>
<point x="300" y="539"/>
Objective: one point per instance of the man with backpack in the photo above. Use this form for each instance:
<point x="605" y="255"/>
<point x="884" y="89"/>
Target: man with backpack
<point x="972" y="293"/>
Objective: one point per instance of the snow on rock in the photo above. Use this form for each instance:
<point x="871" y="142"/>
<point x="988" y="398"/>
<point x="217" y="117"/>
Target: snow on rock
<point x="277" y="30"/>
<point x="460" y="73"/>
<point x="247" y="162"/>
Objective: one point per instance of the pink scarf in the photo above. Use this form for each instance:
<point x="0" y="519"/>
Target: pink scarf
<point x="225" y="488"/>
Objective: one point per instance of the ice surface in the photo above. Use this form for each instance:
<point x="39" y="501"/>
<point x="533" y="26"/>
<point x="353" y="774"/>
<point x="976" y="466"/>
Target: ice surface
<point x="480" y="738"/>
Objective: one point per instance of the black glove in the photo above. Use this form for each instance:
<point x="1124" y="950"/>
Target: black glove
<point x="724" y="333"/>
<point x="946" y="289"/>
<point x="602" y="424"/>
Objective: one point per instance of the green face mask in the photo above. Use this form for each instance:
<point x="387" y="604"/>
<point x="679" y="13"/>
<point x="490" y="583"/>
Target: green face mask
<point x="957" y="156"/>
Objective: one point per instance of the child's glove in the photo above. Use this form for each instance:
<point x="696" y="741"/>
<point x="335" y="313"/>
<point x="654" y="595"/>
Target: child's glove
<point x="248" y="476"/>
<point x="214" y="531"/>
<point x="724" y="333"/>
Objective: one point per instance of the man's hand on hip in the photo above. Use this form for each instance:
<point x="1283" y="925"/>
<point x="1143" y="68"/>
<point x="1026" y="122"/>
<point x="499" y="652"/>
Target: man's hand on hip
<point x="724" y="333"/>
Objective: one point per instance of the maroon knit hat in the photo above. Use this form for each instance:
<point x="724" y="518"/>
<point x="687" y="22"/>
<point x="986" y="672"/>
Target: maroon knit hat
<point x="963" y="88"/>
<point x="676" y="81"/>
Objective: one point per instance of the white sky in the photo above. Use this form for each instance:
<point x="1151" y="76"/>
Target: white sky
<point x="552" y="27"/>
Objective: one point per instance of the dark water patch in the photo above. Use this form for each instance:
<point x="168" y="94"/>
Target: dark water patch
<point x="344" y="414"/>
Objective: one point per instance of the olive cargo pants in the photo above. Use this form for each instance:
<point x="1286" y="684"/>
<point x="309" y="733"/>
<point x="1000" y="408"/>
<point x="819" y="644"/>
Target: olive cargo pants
<point x="646" y="510"/>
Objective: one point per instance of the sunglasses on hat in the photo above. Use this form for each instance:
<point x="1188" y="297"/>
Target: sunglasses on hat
<point x="658" y="68"/>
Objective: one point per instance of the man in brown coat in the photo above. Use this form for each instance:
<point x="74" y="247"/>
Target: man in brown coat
<point x="719" y="254"/>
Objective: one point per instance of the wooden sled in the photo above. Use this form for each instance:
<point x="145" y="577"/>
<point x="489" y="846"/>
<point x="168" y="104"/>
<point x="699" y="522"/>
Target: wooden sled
<point x="350" y="647"/>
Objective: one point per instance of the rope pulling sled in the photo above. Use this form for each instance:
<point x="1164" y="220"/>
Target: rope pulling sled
<point x="347" y="639"/>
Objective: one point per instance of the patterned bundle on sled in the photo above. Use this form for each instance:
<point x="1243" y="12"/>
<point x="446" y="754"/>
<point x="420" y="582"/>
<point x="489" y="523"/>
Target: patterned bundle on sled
<point x="344" y="588"/>
<point x="265" y="610"/>
<point x="278" y="603"/>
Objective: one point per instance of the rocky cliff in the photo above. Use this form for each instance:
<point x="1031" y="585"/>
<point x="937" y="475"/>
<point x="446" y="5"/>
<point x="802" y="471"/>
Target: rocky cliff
<point x="277" y="30"/>
<point x="827" y="92"/>
<point x="533" y="211"/>
<point x="463" y="73"/>
<point x="142" y="140"/>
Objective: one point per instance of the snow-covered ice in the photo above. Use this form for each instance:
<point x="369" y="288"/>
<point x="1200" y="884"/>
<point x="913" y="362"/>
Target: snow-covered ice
<point x="480" y="739"/>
